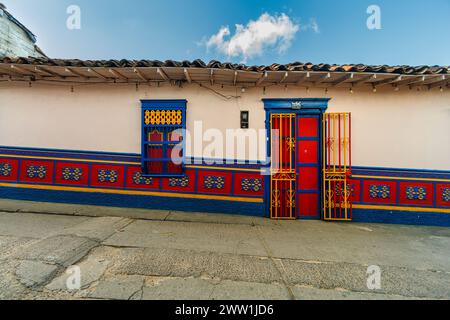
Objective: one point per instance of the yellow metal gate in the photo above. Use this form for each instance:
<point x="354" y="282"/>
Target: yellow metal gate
<point x="283" y="176"/>
<point x="337" y="164"/>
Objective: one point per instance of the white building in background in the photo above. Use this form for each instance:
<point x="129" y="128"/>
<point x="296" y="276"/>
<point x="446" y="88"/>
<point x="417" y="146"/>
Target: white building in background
<point x="16" y="40"/>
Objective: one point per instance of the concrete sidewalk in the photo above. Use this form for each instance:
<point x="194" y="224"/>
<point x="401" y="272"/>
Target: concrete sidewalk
<point x="173" y="255"/>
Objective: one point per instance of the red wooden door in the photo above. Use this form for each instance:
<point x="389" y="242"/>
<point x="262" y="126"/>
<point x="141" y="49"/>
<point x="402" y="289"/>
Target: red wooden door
<point x="308" y="167"/>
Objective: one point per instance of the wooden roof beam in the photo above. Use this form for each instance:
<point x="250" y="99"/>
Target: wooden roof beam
<point x="364" y="79"/>
<point x="442" y="83"/>
<point x="431" y="81"/>
<point x="12" y="72"/>
<point x="325" y="77"/>
<point x="47" y="72"/>
<point x="304" y="77"/>
<point x="187" y="75"/>
<point x="418" y="82"/>
<point x="342" y="79"/>
<point x="285" y="76"/>
<point x="262" y="79"/>
<point x="409" y="80"/>
<point x="321" y="78"/>
<point x="75" y="73"/>
<point x="96" y="74"/>
<point x="393" y="80"/>
<point x="211" y="77"/>
<point x="22" y="70"/>
<point x="116" y="74"/>
<point x="140" y="74"/>
<point x="162" y="74"/>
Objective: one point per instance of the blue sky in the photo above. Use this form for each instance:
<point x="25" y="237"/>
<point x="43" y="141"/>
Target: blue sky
<point x="414" y="32"/>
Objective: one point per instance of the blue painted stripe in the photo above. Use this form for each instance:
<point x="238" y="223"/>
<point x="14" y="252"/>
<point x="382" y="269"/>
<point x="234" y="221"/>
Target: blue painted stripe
<point x="401" y="217"/>
<point x="401" y="173"/>
<point x="135" y="201"/>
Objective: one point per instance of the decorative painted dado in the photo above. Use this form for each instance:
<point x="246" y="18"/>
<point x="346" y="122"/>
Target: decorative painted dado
<point x="235" y="188"/>
<point x="446" y="194"/>
<point x="110" y="176"/>
<point x="141" y="180"/>
<point x="35" y="172"/>
<point x="72" y="174"/>
<point x="251" y="185"/>
<point x="214" y="182"/>
<point x="416" y="193"/>
<point x="5" y="169"/>
<point x="380" y="191"/>
<point x="179" y="182"/>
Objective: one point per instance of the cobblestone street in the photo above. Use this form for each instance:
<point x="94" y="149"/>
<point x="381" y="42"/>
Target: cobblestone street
<point x="200" y="256"/>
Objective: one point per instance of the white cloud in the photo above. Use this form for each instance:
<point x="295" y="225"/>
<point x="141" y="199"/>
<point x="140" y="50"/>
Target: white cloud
<point x="249" y="41"/>
<point x="312" y="25"/>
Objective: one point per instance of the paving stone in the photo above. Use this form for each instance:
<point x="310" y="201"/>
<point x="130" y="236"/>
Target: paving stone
<point x="186" y="263"/>
<point x="56" y="209"/>
<point x="305" y="293"/>
<point x="239" y="290"/>
<point x="9" y="244"/>
<point x="97" y="228"/>
<point x="10" y="287"/>
<point x="32" y="225"/>
<point x="353" y="277"/>
<point x="177" y="289"/>
<point x="91" y="270"/>
<point x="212" y="237"/>
<point x="118" y="288"/>
<point x="63" y="250"/>
<point x="35" y="273"/>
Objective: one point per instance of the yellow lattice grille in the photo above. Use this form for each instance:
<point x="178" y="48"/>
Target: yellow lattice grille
<point x="163" y="117"/>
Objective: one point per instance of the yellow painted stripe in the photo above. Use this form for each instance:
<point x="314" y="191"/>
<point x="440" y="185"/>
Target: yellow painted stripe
<point x="131" y="192"/>
<point x="398" y="208"/>
<point x="120" y="162"/>
<point x="400" y="178"/>
<point x="223" y="168"/>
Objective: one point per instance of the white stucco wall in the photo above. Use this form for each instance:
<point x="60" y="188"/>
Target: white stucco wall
<point x="406" y="129"/>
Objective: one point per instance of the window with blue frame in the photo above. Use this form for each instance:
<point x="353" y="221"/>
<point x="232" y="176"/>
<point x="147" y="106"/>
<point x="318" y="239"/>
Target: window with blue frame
<point x="163" y="137"/>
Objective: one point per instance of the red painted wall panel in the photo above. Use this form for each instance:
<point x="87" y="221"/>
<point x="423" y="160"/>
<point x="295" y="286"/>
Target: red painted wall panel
<point x="378" y="191"/>
<point x="181" y="184"/>
<point x="135" y="180"/>
<point x="416" y="193"/>
<point x="72" y="173"/>
<point x="214" y="182"/>
<point x="36" y="171"/>
<point x="443" y="195"/>
<point x="107" y="176"/>
<point x="248" y="184"/>
<point x="9" y="169"/>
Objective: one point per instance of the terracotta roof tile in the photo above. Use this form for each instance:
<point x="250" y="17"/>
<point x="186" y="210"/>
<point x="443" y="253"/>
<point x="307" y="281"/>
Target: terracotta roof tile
<point x="295" y="66"/>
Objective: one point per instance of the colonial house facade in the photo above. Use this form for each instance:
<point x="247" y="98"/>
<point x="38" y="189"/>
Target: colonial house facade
<point x="297" y="141"/>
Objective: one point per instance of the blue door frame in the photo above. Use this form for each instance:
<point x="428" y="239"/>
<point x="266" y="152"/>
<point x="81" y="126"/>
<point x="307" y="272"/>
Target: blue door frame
<point x="314" y="107"/>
